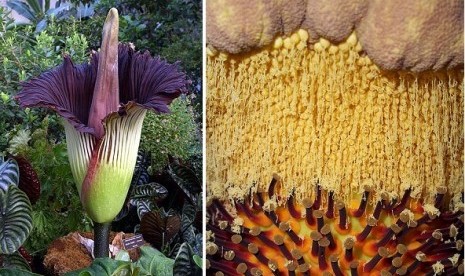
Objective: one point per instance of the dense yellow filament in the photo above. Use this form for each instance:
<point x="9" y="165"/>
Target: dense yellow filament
<point x="325" y="113"/>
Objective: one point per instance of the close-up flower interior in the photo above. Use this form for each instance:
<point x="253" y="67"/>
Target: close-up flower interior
<point x="334" y="138"/>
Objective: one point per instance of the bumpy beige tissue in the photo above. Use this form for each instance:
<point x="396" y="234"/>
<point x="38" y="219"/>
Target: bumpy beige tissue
<point x="396" y="34"/>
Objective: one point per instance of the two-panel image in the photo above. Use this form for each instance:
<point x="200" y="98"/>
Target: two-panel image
<point x="231" y="137"/>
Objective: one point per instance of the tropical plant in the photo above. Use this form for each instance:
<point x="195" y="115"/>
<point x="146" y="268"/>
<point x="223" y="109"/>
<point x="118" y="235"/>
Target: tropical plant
<point x="167" y="210"/>
<point x="39" y="13"/>
<point x="185" y="246"/>
<point x="102" y="136"/>
<point x="32" y="10"/>
<point x="150" y="262"/>
<point x="172" y="29"/>
<point x="36" y="135"/>
<point x="15" y="217"/>
<point x="23" y="55"/>
<point x="187" y="261"/>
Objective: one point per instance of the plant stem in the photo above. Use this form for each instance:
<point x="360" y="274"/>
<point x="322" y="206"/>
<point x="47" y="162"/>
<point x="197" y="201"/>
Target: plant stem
<point x="101" y="239"/>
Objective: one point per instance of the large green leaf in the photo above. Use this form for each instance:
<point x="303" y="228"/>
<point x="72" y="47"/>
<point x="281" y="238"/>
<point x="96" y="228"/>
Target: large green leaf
<point x="123" y="255"/>
<point x="153" y="262"/>
<point x="104" y="267"/>
<point x="36" y="6"/>
<point x="16" y="272"/>
<point x="15" y="219"/>
<point x="9" y="174"/>
<point x="15" y="261"/>
<point x="22" y="9"/>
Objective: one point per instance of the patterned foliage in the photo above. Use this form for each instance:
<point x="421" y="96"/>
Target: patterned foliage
<point x="15" y="219"/>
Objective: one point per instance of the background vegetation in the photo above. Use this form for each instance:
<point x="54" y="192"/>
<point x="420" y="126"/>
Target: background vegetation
<point x="171" y="29"/>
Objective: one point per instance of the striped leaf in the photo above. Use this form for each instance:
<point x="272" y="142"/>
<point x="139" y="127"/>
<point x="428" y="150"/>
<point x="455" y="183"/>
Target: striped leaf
<point x="9" y="174"/>
<point x="15" y="219"/>
<point x="15" y="261"/>
<point x="144" y="205"/>
<point x="184" y="263"/>
<point x="141" y="173"/>
<point x="197" y="245"/>
<point x="186" y="179"/>
<point x="188" y="235"/>
<point x="152" y="190"/>
<point x="174" y="250"/>
<point x="188" y="215"/>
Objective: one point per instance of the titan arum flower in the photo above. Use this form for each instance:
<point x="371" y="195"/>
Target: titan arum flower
<point x="103" y="105"/>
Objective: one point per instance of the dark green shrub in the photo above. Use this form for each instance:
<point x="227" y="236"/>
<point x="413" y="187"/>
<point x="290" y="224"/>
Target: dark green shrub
<point x="171" y="29"/>
<point x="173" y="134"/>
<point x="24" y="54"/>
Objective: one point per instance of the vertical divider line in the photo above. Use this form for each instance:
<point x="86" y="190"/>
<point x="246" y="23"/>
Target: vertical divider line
<point x="204" y="158"/>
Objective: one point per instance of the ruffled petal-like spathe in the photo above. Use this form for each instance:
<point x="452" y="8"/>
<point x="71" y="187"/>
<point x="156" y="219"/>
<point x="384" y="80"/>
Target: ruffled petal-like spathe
<point x="68" y="89"/>
<point x="149" y="82"/>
